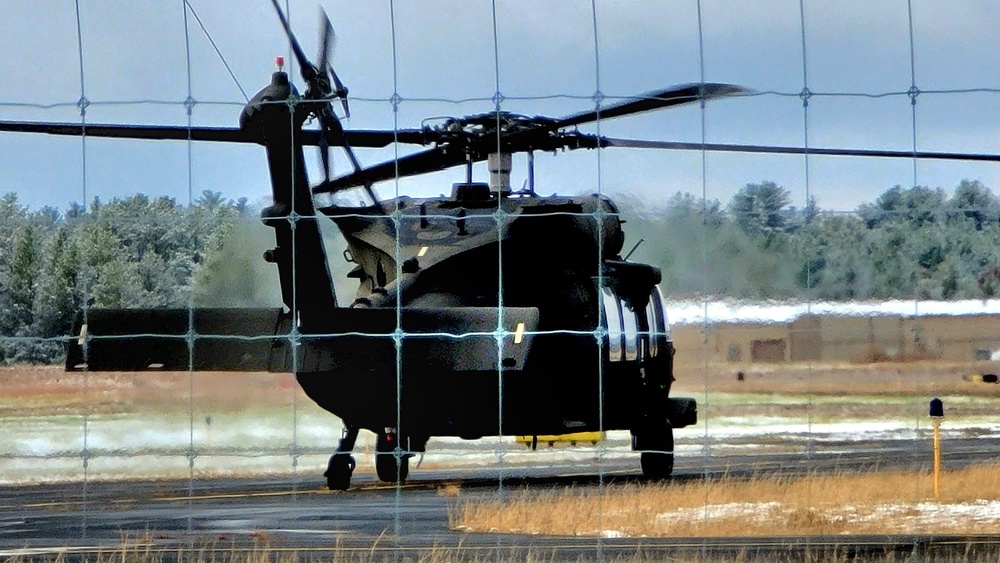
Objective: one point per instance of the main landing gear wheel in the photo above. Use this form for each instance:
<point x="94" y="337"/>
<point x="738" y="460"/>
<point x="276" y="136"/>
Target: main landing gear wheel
<point x="657" y="460"/>
<point x="390" y="466"/>
<point x="341" y="464"/>
<point x="338" y="471"/>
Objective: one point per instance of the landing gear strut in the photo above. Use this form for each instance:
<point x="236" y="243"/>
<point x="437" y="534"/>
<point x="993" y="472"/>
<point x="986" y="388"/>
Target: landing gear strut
<point x="342" y="464"/>
<point x="392" y="460"/>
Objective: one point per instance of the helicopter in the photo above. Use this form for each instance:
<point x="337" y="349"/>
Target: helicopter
<point x="487" y="312"/>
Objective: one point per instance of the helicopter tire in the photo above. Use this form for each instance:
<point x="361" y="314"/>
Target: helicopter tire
<point x="339" y="471"/>
<point x="390" y="467"/>
<point x="659" y="463"/>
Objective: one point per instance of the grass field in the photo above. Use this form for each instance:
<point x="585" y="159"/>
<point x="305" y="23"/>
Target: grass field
<point x="30" y="390"/>
<point x="847" y="503"/>
<point x="141" y="551"/>
<point x="160" y="413"/>
<point x="143" y="425"/>
<point x="33" y="391"/>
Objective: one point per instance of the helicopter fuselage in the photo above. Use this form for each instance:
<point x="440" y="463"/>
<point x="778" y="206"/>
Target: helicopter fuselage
<point x="483" y="314"/>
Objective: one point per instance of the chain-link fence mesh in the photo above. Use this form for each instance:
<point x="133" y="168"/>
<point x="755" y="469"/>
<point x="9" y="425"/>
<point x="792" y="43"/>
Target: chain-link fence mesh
<point x="823" y="242"/>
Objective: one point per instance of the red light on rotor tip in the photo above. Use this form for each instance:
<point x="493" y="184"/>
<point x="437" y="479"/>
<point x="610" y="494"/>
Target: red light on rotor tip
<point x="280" y="61"/>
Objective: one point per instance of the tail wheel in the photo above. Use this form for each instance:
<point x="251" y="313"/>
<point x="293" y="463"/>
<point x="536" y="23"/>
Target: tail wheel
<point x="390" y="466"/>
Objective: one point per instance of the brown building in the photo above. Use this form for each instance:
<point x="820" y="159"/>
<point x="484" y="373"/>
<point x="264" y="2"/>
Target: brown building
<point x="832" y="338"/>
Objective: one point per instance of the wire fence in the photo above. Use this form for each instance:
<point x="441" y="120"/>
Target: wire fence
<point x="494" y="342"/>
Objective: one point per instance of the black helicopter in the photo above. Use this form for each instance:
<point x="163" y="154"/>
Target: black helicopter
<point x="488" y="312"/>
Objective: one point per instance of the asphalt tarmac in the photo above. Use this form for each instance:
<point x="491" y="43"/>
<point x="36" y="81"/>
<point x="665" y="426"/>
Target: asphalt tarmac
<point x="297" y="513"/>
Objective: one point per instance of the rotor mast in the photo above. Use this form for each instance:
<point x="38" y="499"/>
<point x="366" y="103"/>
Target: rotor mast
<point x="499" y="164"/>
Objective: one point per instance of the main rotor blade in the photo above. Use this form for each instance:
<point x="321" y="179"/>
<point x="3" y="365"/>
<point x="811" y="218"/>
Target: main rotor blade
<point x="367" y="138"/>
<point x="328" y="122"/>
<point x="332" y="127"/>
<point x="431" y="160"/>
<point x="326" y="40"/>
<point x="324" y="143"/>
<point x="153" y="132"/>
<point x="775" y="149"/>
<point x="658" y="99"/>
<point x="371" y="138"/>
<point x="328" y="37"/>
<point x="340" y="90"/>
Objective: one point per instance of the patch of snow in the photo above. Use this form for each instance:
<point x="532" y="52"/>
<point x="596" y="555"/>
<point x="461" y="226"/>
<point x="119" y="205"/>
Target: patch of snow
<point x="979" y="511"/>
<point x="50" y="448"/>
<point x="757" y="511"/>
<point x="731" y="311"/>
<point x="904" y="516"/>
<point x="729" y="428"/>
<point x="924" y="514"/>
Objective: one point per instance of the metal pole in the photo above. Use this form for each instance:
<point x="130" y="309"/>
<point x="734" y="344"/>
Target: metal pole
<point x="937" y="458"/>
<point x="937" y="415"/>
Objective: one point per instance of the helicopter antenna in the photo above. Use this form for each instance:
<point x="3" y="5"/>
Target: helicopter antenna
<point x="642" y="240"/>
<point x="218" y="52"/>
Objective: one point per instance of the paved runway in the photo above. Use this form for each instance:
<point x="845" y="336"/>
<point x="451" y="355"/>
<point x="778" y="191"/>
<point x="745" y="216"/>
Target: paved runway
<point x="297" y="513"/>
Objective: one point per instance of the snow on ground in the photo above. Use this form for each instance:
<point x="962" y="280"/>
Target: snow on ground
<point x="51" y="448"/>
<point x="755" y="511"/>
<point x="728" y="311"/>
<point x="902" y="517"/>
<point x="979" y="511"/>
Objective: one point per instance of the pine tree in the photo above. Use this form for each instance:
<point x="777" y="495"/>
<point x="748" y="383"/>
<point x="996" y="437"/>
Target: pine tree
<point x="56" y="301"/>
<point x="758" y="208"/>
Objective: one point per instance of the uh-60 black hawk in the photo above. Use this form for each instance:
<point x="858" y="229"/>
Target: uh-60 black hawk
<point x="488" y="312"/>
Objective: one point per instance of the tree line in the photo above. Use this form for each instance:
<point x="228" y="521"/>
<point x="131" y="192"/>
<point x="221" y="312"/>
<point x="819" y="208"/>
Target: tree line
<point x="909" y="243"/>
<point x="128" y="252"/>
<point x="154" y="252"/>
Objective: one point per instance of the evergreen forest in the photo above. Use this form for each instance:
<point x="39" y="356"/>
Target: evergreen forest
<point x="919" y="242"/>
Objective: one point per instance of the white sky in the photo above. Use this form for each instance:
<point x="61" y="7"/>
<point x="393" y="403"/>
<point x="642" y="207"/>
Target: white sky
<point x="135" y="51"/>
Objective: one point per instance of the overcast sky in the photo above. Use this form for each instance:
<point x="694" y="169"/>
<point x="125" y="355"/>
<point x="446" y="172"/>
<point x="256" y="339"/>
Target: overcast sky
<point x="444" y="63"/>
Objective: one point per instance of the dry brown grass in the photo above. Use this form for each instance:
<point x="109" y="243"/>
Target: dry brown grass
<point x="33" y="390"/>
<point x="450" y="490"/>
<point x="151" y="547"/>
<point x="265" y="553"/>
<point x="46" y="391"/>
<point x="899" y="379"/>
<point x="37" y="390"/>
<point x="862" y="503"/>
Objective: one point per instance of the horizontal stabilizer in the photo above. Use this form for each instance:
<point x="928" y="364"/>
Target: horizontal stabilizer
<point x="178" y="340"/>
<point x="348" y="340"/>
